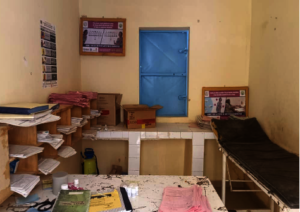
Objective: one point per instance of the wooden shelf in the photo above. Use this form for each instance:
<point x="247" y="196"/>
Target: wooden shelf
<point x="62" y="108"/>
<point x="94" y="107"/>
<point x="11" y="159"/>
<point x="28" y="136"/>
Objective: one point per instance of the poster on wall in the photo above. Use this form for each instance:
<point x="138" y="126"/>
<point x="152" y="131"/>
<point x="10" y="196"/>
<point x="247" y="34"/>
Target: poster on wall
<point x="102" y="36"/>
<point x="48" y="47"/>
<point x="221" y="102"/>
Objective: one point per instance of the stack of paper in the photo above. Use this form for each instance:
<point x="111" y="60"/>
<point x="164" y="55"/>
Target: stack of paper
<point x="20" y="114"/>
<point x="23" y="183"/>
<point x="86" y="116"/>
<point x="88" y="94"/>
<point x="47" y="165"/>
<point x="184" y="199"/>
<point x="95" y="113"/>
<point x="89" y="134"/>
<point x="22" y="151"/>
<point x="204" y="122"/>
<point x="70" y="99"/>
<point x="66" y="129"/>
<point x="83" y="122"/>
<point x="66" y="151"/>
<point x="23" y="121"/>
<point x="78" y="122"/>
<point x="55" y="140"/>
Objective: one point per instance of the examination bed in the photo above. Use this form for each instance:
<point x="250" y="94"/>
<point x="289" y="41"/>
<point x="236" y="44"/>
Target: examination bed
<point x="272" y="168"/>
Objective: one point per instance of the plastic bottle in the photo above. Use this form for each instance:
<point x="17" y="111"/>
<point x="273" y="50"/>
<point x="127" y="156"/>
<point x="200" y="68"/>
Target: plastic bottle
<point x="76" y="183"/>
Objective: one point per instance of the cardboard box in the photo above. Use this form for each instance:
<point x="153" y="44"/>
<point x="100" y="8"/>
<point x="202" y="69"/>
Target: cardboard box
<point x="140" y="116"/>
<point x="110" y="105"/>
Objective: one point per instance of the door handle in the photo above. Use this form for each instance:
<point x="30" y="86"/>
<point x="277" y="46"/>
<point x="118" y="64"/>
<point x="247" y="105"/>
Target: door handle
<point x="182" y="97"/>
<point x="183" y="51"/>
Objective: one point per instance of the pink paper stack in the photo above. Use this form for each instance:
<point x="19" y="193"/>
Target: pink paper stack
<point x="69" y="99"/>
<point x="90" y="95"/>
<point x="184" y="200"/>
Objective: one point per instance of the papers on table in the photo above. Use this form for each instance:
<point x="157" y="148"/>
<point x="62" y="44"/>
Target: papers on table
<point x="44" y="117"/>
<point x="55" y="140"/>
<point x="78" y="122"/>
<point x="23" y="183"/>
<point x="89" y="134"/>
<point x="66" y="129"/>
<point x="66" y="151"/>
<point x="47" y="165"/>
<point x="184" y="199"/>
<point x="22" y="151"/>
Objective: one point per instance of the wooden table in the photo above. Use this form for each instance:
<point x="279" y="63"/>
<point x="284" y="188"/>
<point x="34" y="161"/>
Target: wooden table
<point x="150" y="189"/>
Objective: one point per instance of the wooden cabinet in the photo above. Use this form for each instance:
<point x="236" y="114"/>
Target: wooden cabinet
<point x="5" y="191"/>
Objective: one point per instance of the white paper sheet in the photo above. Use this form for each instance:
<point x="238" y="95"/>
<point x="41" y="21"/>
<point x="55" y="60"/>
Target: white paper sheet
<point x="23" y="151"/>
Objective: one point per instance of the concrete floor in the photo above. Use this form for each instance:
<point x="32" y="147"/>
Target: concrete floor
<point x="241" y="200"/>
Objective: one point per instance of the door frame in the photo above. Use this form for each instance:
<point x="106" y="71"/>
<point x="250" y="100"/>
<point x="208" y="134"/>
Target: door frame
<point x="168" y="29"/>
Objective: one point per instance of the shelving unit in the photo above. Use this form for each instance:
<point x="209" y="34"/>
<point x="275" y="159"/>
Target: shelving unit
<point x="28" y="136"/>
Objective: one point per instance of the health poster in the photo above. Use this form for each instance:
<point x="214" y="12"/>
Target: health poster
<point x="223" y="103"/>
<point x="103" y="37"/>
<point x="48" y="49"/>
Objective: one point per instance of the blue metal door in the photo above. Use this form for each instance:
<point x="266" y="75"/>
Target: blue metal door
<point x="163" y="70"/>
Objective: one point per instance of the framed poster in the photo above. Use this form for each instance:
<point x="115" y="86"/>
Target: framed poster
<point x="102" y="36"/>
<point x="48" y="47"/>
<point x="221" y="102"/>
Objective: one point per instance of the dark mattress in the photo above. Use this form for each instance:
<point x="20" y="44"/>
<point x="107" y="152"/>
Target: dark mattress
<point x="277" y="169"/>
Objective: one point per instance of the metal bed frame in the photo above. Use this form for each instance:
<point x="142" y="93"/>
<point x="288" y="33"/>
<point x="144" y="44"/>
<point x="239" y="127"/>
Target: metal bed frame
<point x="273" y="197"/>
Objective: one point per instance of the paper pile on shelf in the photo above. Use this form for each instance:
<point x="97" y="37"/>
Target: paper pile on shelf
<point x="86" y="116"/>
<point x="22" y="121"/>
<point x="89" y="95"/>
<point x="204" y="122"/>
<point x="47" y="165"/>
<point x="186" y="199"/>
<point x="78" y="122"/>
<point x="23" y="183"/>
<point x="66" y="151"/>
<point x="95" y="113"/>
<point x="55" y="140"/>
<point x="22" y="151"/>
<point x="66" y="129"/>
<point x="70" y="99"/>
<point x="89" y="134"/>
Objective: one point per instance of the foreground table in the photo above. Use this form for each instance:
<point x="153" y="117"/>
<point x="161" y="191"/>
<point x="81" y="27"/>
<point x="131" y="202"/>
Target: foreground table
<point x="150" y="189"/>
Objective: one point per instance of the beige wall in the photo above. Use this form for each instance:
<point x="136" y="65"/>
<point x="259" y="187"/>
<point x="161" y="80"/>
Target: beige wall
<point x="20" y="37"/>
<point x="274" y="70"/>
<point x="219" y="45"/>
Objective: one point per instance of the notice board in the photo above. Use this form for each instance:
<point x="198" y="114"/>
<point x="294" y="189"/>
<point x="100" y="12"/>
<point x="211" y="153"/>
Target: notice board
<point x="102" y="36"/>
<point x="221" y="102"/>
